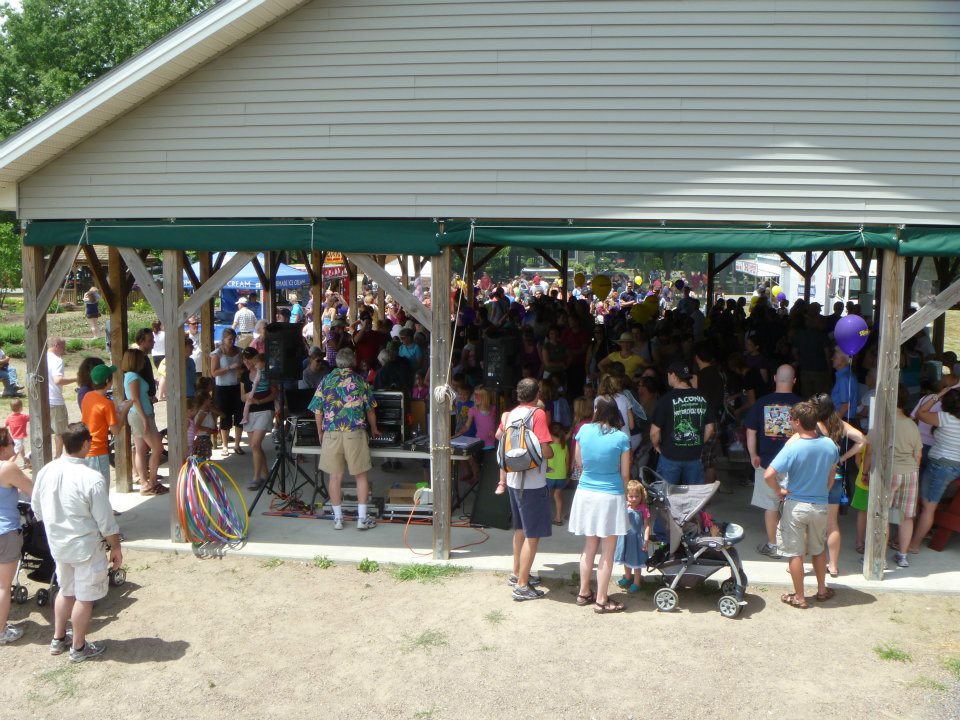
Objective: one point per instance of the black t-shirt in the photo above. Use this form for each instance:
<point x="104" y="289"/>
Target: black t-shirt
<point x="682" y="414"/>
<point x="711" y="383"/>
<point x="770" y="418"/>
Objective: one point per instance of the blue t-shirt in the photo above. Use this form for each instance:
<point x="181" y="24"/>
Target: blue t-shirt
<point x="129" y="378"/>
<point x="770" y="418"/>
<point x="846" y="389"/>
<point x="600" y="452"/>
<point x="809" y="463"/>
<point x="9" y="514"/>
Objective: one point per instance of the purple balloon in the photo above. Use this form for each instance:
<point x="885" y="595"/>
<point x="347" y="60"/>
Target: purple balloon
<point x="782" y="296"/>
<point x="851" y="334"/>
<point x="678" y="284"/>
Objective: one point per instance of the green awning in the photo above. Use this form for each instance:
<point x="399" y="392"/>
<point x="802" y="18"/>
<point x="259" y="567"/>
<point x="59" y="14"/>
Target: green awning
<point x="929" y="241"/>
<point x="344" y="235"/>
<point x="622" y="237"/>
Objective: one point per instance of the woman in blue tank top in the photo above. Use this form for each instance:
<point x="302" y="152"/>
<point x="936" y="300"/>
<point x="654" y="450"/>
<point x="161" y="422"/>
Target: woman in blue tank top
<point x="12" y="483"/>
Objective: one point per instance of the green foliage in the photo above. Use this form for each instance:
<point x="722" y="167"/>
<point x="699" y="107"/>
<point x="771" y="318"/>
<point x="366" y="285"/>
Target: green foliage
<point x="95" y="344"/>
<point x="427" y="640"/>
<point x="423" y="572"/>
<point x="52" y="48"/>
<point x="495" y="617"/>
<point x="953" y="666"/>
<point x="322" y="562"/>
<point x="15" y="351"/>
<point x="75" y="345"/>
<point x="140" y="305"/>
<point x="11" y="259"/>
<point x="368" y="566"/>
<point x="892" y="653"/>
<point x="15" y="334"/>
<point x="272" y="563"/>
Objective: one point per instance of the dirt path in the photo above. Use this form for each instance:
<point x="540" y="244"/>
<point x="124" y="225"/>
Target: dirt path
<point x="242" y="638"/>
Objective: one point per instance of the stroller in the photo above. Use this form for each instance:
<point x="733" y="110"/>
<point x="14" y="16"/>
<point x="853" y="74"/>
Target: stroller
<point x="693" y="553"/>
<point x="36" y="560"/>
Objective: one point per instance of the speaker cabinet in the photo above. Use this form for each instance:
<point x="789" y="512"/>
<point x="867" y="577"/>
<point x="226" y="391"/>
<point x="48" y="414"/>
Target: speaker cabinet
<point x="285" y="352"/>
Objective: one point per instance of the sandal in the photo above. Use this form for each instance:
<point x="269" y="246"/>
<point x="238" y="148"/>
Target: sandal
<point x="861" y="549"/>
<point x="826" y="595"/>
<point x="610" y="606"/>
<point x="586" y="599"/>
<point x="558" y="522"/>
<point x="791" y="600"/>
<point x="833" y="573"/>
<point x="239" y="451"/>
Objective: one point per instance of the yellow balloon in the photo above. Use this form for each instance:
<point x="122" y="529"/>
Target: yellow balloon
<point x="579" y="279"/>
<point x="638" y="280"/>
<point x="652" y="299"/>
<point x="601" y="286"/>
<point x="775" y="290"/>
<point x="754" y="300"/>
<point x="642" y="313"/>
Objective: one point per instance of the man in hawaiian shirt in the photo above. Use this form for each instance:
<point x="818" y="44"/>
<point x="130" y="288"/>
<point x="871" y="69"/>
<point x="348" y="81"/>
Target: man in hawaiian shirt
<point x="344" y="405"/>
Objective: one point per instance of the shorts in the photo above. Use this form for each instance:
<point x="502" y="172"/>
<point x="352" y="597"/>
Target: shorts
<point x="345" y="447"/>
<point x="140" y="426"/>
<point x="708" y="454"/>
<point x="906" y="489"/>
<point x="261" y="420"/>
<point x="532" y="512"/>
<point x="11" y="544"/>
<point x="100" y="463"/>
<point x="802" y="528"/>
<point x="226" y="398"/>
<point x="936" y="478"/>
<point x="59" y="419"/>
<point x="763" y="496"/>
<point x="556" y="483"/>
<point x="18" y="444"/>
<point x="86" y="581"/>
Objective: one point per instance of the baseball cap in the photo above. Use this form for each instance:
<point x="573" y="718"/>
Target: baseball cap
<point x="680" y="369"/>
<point x="242" y="301"/>
<point x="102" y="373"/>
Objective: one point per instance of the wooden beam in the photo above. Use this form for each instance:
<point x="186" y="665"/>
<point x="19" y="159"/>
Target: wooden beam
<point x="853" y="262"/>
<point x="261" y="275"/>
<point x="100" y="276"/>
<point x="55" y="254"/>
<point x="807" y="262"/>
<point x="564" y="271"/>
<point x="212" y="286"/>
<point x="884" y="420"/>
<point x="789" y="261"/>
<point x="440" y="453"/>
<point x="876" y="304"/>
<point x="711" y="282"/>
<point x="459" y="253"/>
<point x="353" y="282"/>
<point x="819" y="262"/>
<point x="55" y="277"/>
<point x="35" y="324"/>
<point x="381" y="293"/>
<point x="492" y="253"/>
<point x="147" y="286"/>
<point x="188" y="269"/>
<point x="319" y="299"/>
<point x="268" y="297"/>
<point x="218" y="261"/>
<point x="550" y="261"/>
<point x="206" y="316"/>
<point x="123" y="458"/>
<point x="172" y="319"/>
<point x="403" y="296"/>
<point x="944" y="300"/>
<point x="305" y="257"/>
<point x="726" y="263"/>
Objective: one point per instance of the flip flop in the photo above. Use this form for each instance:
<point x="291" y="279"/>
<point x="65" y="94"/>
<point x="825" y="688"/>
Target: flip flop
<point x="826" y="595"/>
<point x="791" y="600"/>
<point x="583" y="600"/>
<point x="558" y="522"/>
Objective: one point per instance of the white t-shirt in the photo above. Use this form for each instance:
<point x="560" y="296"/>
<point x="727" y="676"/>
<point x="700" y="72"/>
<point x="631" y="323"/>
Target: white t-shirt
<point x="226" y="361"/>
<point x="54" y="369"/>
<point x="536" y="478"/>
<point x="159" y="344"/>
<point x="946" y="438"/>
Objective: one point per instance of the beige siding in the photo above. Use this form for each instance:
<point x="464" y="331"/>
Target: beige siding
<point x="758" y="110"/>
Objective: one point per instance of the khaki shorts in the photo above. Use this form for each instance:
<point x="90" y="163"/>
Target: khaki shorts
<point x="140" y="426"/>
<point x="10" y="545"/>
<point x="345" y="447"/>
<point x="803" y="527"/>
<point x="85" y="581"/>
<point x="763" y="497"/>
<point x="58" y="419"/>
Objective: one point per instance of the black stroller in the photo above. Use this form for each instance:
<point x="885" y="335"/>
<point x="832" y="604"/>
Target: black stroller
<point x="38" y="563"/>
<point x="692" y="553"/>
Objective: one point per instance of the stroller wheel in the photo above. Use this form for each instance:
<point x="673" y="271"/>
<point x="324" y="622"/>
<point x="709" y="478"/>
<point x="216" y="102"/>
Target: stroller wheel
<point x="43" y="597"/>
<point x="20" y="594"/>
<point x="728" y="586"/>
<point x="666" y="599"/>
<point x="728" y="606"/>
<point x="118" y="577"/>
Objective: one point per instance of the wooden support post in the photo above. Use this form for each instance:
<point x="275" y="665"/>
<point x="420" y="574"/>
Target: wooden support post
<point x="876" y="300"/>
<point x="884" y="419"/>
<point x="206" y="316"/>
<point x="404" y="273"/>
<point x="711" y="281"/>
<point x="354" y="291"/>
<point x="407" y="300"/>
<point x="564" y="272"/>
<point x="440" y="454"/>
<point x="176" y="366"/>
<point x="319" y="299"/>
<point x="807" y="262"/>
<point x="35" y="324"/>
<point x="119" y="342"/>
<point x="268" y="298"/>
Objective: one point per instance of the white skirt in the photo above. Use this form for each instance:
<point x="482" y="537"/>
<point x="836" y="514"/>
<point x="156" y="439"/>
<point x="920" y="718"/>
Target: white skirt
<point x="597" y="514"/>
<point x="260" y="420"/>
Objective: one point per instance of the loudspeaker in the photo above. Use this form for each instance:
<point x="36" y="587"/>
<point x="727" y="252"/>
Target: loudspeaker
<point x="285" y="352"/>
<point x="500" y="362"/>
<point x="490" y="509"/>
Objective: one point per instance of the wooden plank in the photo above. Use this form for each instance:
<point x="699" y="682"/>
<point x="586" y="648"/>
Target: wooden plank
<point x="400" y="293"/>
<point x="564" y="271"/>
<point x="319" y="299"/>
<point x="212" y="286"/>
<point x="123" y="457"/>
<point x="440" y="454"/>
<point x="206" y="316"/>
<point x="711" y="281"/>
<point x="944" y="300"/>
<point x="726" y="263"/>
<point x="264" y="280"/>
<point x="188" y="269"/>
<point x="147" y="286"/>
<point x="819" y="261"/>
<point x="789" y="261"/>
<point x="884" y="424"/>
<point x="218" y="261"/>
<point x="100" y="276"/>
<point x="381" y="293"/>
<point x="550" y="261"/>
<point x="354" y="290"/>
<point x="53" y="281"/>
<point x="35" y="324"/>
<point x="807" y="261"/>
<point x="172" y="318"/>
<point x="487" y="258"/>
<point x="268" y="298"/>
<point x="854" y="263"/>
<point x="55" y="254"/>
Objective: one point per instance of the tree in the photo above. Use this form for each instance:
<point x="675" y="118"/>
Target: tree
<point x="11" y="261"/>
<point x="53" y="48"/>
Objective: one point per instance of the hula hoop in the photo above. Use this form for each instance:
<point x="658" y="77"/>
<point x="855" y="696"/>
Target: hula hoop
<point x="204" y="507"/>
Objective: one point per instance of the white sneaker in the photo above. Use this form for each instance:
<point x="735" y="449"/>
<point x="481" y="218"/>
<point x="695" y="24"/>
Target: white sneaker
<point x="10" y="634"/>
<point x="89" y="650"/>
<point x="59" y="647"/>
<point x="367" y="523"/>
<point x="338" y="523"/>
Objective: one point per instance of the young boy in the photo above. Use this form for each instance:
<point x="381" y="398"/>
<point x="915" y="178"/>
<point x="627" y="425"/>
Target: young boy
<point x="17" y="422"/>
<point x="809" y="462"/>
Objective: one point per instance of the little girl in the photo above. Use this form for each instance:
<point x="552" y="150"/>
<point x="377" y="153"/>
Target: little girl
<point x="632" y="547"/>
<point x="421" y="388"/>
<point x="201" y="425"/>
<point x="582" y="413"/>
<point x="557" y="469"/>
<point x="482" y="417"/>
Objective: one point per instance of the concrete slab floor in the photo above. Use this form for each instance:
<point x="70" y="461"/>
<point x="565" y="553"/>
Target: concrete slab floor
<point x="145" y="524"/>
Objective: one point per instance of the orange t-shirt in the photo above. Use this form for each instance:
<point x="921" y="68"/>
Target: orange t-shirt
<point x="98" y="414"/>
